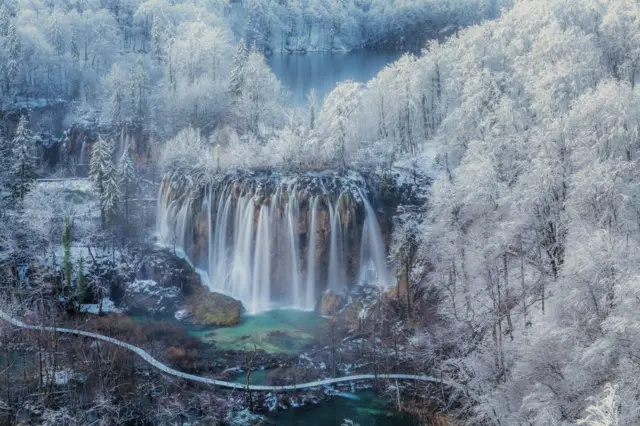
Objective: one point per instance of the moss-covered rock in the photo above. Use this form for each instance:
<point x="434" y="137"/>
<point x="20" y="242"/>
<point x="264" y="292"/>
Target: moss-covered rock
<point x="208" y="308"/>
<point x="330" y="303"/>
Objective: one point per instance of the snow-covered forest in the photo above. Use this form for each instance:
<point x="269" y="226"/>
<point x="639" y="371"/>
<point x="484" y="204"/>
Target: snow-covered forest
<point x="502" y="163"/>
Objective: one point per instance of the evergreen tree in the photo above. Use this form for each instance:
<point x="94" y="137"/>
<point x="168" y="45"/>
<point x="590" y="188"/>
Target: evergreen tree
<point x="312" y="101"/>
<point x="66" y="243"/>
<point x="126" y="179"/>
<point x="103" y="176"/>
<point x="12" y="45"/>
<point x="73" y="46"/>
<point x="139" y="87"/>
<point x="22" y="170"/>
<point x="4" y="21"/>
<point x="236" y="78"/>
<point x="57" y="38"/>
<point x="81" y="288"/>
<point x="157" y="40"/>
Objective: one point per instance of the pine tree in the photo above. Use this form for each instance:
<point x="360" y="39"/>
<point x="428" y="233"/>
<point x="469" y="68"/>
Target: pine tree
<point x="103" y="176"/>
<point x="312" y="101"/>
<point x="22" y="171"/>
<point x="73" y="46"/>
<point x="66" y="243"/>
<point x="139" y="86"/>
<point x="126" y="179"/>
<point x="236" y="77"/>
<point x="157" y="40"/>
<point x="4" y="21"/>
<point x="81" y="288"/>
<point x="12" y="45"/>
<point x="57" y="38"/>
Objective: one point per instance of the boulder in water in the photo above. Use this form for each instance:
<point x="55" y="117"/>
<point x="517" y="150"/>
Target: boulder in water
<point x="209" y="308"/>
<point x="330" y="303"/>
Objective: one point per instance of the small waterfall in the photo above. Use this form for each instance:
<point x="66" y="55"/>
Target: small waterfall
<point x="310" y="297"/>
<point x="336" y="273"/>
<point x="261" y="283"/>
<point x="274" y="244"/>
<point x="83" y="147"/>
<point x="181" y="234"/>
<point x="373" y="262"/>
<point x="163" y="215"/>
<point x="293" y="212"/>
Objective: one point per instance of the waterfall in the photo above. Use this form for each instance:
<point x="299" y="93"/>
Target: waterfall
<point x="83" y="147"/>
<point x="336" y="276"/>
<point x="293" y="210"/>
<point x="310" y="297"/>
<point x="373" y="263"/>
<point x="261" y="283"/>
<point x="274" y="244"/>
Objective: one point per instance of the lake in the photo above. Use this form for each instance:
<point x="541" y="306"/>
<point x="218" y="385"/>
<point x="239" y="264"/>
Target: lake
<point x="322" y="71"/>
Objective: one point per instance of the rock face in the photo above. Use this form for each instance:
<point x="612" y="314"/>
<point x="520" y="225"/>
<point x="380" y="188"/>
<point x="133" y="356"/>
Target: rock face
<point x="210" y="308"/>
<point x="330" y="303"/>
<point x="168" y="286"/>
<point x="147" y="297"/>
<point x="169" y="270"/>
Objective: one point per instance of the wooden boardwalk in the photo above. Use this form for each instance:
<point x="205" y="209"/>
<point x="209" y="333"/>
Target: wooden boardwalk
<point x="168" y="370"/>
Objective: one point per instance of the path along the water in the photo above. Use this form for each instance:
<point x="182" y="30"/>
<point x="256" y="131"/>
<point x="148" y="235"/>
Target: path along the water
<point x="168" y="370"/>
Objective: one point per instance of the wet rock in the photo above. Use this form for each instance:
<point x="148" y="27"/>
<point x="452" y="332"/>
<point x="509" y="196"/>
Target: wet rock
<point x="168" y="270"/>
<point x="147" y="297"/>
<point x="159" y="285"/>
<point x="330" y="303"/>
<point x="209" y="308"/>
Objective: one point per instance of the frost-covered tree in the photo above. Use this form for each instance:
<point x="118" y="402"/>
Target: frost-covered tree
<point x="126" y="179"/>
<point x="236" y="76"/>
<point x="312" y="105"/>
<point x="22" y="168"/>
<point x="116" y="108"/>
<point x="336" y="112"/>
<point x="259" y="24"/>
<point x="103" y="176"/>
<point x="260" y="104"/>
<point x="604" y="411"/>
<point x="139" y="87"/>
<point x="81" y="287"/>
<point x="66" y="245"/>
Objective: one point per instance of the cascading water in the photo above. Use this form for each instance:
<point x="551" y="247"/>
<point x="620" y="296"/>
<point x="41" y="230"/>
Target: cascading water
<point x="310" y="297"/>
<point x="372" y="253"/>
<point x="83" y="147"/>
<point x="275" y="243"/>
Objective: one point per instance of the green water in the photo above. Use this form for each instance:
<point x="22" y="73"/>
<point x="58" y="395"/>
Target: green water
<point x="363" y="408"/>
<point x="258" y="377"/>
<point x="294" y="330"/>
<point x="277" y="331"/>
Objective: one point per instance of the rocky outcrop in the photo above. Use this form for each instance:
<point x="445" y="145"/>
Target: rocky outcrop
<point x="330" y="303"/>
<point x="209" y="308"/>
<point x="169" y="270"/>
<point x="166" y="285"/>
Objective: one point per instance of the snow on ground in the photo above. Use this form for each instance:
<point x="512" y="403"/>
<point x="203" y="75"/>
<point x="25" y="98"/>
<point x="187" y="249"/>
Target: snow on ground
<point x="181" y="314"/>
<point x="151" y="288"/>
<point x="94" y="308"/>
<point x="143" y="286"/>
<point x="59" y="378"/>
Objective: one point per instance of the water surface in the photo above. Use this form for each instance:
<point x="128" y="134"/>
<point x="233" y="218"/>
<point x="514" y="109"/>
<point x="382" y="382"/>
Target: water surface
<point x="364" y="408"/>
<point x="322" y="71"/>
<point x="276" y="331"/>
